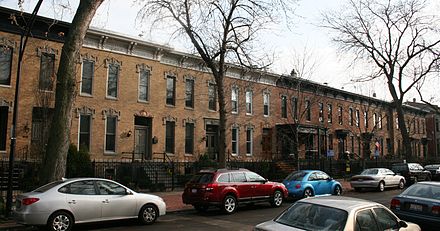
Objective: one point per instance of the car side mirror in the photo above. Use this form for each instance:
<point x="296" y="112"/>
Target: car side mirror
<point x="128" y="192"/>
<point x="402" y="224"/>
<point x="330" y="179"/>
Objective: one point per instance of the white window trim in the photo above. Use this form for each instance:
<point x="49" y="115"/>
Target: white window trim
<point x="107" y="152"/>
<point x="148" y="86"/>
<point x="236" y="142"/>
<point x="268" y="104"/>
<point x="251" y="142"/>
<point x="234" y="90"/>
<point x="79" y="130"/>
<point x="250" y="102"/>
<point x="93" y="79"/>
<point x="117" y="83"/>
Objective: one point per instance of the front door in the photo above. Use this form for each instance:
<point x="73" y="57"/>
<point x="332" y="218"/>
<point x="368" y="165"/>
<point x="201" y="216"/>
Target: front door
<point x="212" y="141"/>
<point x="266" y="142"/>
<point x="142" y="138"/>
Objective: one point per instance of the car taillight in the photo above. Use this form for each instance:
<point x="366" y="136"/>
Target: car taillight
<point x="395" y="204"/>
<point x="297" y="186"/>
<point x="210" y="187"/>
<point x="29" y="201"/>
<point x="436" y="210"/>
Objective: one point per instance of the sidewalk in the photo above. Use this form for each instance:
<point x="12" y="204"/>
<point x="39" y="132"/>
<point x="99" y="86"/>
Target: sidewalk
<point x="173" y="199"/>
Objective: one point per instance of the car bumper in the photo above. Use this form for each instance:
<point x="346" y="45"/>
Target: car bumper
<point x="199" y="200"/>
<point x="296" y="194"/>
<point x="364" y="184"/>
<point x="26" y="218"/>
<point x="419" y="219"/>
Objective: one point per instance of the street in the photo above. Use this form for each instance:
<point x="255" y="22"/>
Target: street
<point x="244" y="219"/>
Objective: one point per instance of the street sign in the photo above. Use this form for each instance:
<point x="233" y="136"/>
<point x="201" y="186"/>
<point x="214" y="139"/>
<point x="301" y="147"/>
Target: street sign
<point x="330" y="153"/>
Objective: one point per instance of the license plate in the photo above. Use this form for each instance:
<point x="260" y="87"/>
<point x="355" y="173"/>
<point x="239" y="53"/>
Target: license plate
<point x="416" y="207"/>
<point x="194" y="190"/>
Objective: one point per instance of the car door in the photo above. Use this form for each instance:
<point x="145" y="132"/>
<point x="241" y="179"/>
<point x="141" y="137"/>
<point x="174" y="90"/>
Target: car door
<point x="116" y="203"/>
<point x="385" y="219"/>
<point x="324" y="185"/>
<point x="365" y="221"/>
<point x="83" y="201"/>
<point x="243" y="187"/>
<point x="314" y="181"/>
<point x="260" y="189"/>
<point x="394" y="178"/>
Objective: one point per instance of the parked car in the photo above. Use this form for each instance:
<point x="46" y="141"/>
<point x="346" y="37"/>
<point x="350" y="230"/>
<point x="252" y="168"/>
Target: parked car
<point x="336" y="213"/>
<point x="413" y="172"/>
<point x="229" y="188"/>
<point x="419" y="203"/>
<point x="307" y="183"/>
<point x="61" y="204"/>
<point x="435" y="170"/>
<point x="379" y="178"/>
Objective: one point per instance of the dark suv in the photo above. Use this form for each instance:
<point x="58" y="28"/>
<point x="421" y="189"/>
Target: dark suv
<point x="413" y="172"/>
<point x="226" y="188"/>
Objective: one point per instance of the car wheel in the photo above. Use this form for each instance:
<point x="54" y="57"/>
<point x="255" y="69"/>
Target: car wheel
<point x="308" y="192"/>
<point x="381" y="186"/>
<point x="60" y="221"/>
<point x="148" y="214"/>
<point x="337" y="191"/>
<point x="401" y="184"/>
<point x="201" y="208"/>
<point x="229" y="204"/>
<point x="277" y="199"/>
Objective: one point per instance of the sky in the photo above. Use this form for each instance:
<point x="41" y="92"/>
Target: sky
<point x="304" y="37"/>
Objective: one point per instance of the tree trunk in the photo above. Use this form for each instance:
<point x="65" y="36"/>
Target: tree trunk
<point x="54" y="160"/>
<point x="222" y="112"/>
<point x="404" y="132"/>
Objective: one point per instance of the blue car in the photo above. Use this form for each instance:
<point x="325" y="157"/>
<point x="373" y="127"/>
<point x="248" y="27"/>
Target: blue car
<point x="308" y="183"/>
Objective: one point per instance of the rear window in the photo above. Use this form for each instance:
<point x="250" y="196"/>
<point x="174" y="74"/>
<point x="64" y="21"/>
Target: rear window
<point x="296" y="176"/>
<point x="202" y="178"/>
<point x="424" y="191"/>
<point x="46" y="187"/>
<point x="371" y="171"/>
<point x="432" y="166"/>
<point x="399" y="167"/>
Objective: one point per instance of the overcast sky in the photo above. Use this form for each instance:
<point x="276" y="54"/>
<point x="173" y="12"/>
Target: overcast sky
<point x="331" y="67"/>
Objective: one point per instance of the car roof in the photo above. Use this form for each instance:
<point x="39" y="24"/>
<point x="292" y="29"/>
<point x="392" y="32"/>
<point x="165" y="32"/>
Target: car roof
<point x="220" y="170"/>
<point x="433" y="183"/>
<point x="81" y="178"/>
<point x="340" y="202"/>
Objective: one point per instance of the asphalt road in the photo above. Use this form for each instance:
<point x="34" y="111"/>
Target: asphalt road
<point x="244" y="219"/>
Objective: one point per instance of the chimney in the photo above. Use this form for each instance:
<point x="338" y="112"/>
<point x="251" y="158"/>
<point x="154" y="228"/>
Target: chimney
<point x="414" y="100"/>
<point x="374" y="94"/>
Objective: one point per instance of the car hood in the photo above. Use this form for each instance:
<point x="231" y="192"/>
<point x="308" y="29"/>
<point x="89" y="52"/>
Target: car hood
<point x="272" y="225"/>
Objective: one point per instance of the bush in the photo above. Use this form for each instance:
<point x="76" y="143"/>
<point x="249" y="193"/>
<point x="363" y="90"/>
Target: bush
<point x="78" y="163"/>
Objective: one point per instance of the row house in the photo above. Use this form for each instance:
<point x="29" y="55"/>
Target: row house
<point x="143" y="101"/>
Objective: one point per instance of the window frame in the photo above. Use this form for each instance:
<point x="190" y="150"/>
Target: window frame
<point x="8" y="78"/>
<point x="89" y="131"/>
<point x="249" y="141"/>
<point x="329" y="113"/>
<point x="283" y="106"/>
<point x="170" y="90"/>
<point x="43" y="78"/>
<point x="145" y="86"/>
<point x="234" y="142"/>
<point x="116" y="80"/>
<point x="189" y="138"/>
<point x="234" y="100"/>
<point x="266" y="104"/>
<point x="189" y="93"/>
<point x="212" y="96"/>
<point x="249" y="96"/>
<point x="92" y="75"/>
<point x="307" y="106"/>
<point x="170" y="137"/>
<point x="108" y="135"/>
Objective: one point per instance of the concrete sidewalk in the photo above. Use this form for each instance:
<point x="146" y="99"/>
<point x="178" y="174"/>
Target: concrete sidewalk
<point x="173" y="199"/>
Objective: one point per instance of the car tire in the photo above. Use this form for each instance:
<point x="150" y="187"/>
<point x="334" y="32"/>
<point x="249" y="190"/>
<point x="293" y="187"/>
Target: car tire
<point x="401" y="184"/>
<point x="148" y="214"/>
<point x="201" y="208"/>
<point x="229" y="204"/>
<point x="337" y="191"/>
<point x="381" y="186"/>
<point x="277" y="199"/>
<point x="308" y="193"/>
<point x="60" y="221"/>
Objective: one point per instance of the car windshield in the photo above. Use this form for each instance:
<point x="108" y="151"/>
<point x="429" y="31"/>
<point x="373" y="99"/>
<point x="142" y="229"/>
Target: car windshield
<point x="371" y="171"/>
<point x="46" y="187"/>
<point x="296" y="176"/>
<point x="424" y="191"/>
<point x="309" y="216"/>
<point x="202" y="178"/>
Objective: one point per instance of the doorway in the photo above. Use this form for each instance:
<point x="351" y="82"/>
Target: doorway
<point x="212" y="141"/>
<point x="142" y="138"/>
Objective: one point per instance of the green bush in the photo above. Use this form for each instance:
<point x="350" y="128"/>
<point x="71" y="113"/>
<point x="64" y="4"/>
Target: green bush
<point x="78" y="163"/>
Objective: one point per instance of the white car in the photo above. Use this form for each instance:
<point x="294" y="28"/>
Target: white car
<point x="336" y="213"/>
<point x="377" y="178"/>
<point x="61" y="204"/>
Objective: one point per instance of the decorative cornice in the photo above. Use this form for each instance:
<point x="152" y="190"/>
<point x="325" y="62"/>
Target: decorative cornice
<point x="189" y="120"/>
<point x="170" y="73"/>
<point x="112" y="113"/>
<point x="143" y="113"/>
<point x="4" y="42"/>
<point x="249" y="126"/>
<point x="5" y="103"/>
<point x="88" y="57"/>
<point x="169" y="118"/>
<point x="46" y="49"/>
<point x="112" y="60"/>
<point x="143" y="66"/>
<point x="85" y="111"/>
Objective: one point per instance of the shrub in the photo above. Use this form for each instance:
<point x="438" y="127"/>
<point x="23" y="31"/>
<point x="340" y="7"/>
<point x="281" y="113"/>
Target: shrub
<point x="78" y="163"/>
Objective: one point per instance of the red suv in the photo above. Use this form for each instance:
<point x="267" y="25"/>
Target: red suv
<point x="227" y="188"/>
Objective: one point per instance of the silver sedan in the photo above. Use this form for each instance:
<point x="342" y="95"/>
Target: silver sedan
<point x="336" y="213"/>
<point x="61" y="204"/>
<point x="379" y="178"/>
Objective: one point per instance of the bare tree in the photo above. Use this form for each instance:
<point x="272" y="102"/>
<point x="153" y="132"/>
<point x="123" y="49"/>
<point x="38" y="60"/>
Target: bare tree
<point x="59" y="138"/>
<point x="397" y="38"/>
<point x="220" y="31"/>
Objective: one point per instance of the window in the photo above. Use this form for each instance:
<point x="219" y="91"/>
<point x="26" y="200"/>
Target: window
<point x="234" y="137"/>
<point x="169" y="137"/>
<point x="295" y="108"/>
<point x="248" y="102"/>
<point x="266" y="101"/>
<point x="84" y="132"/>
<point x="254" y="177"/>
<point x="3" y="127"/>
<point x="234" y="100"/>
<point x="110" y="134"/>
<point x="5" y="65"/>
<point x="112" y="80"/>
<point x="366" y="119"/>
<point x="212" y="97"/>
<point x="223" y="178"/>
<point x="110" y="188"/>
<point x="329" y="113"/>
<point x="41" y="117"/>
<point x="144" y="85"/>
<point x="340" y="115"/>
<point x="249" y="138"/>
<point x="238" y="177"/>
<point x="171" y="90"/>
<point x="85" y="187"/>
<point x="365" y="221"/>
<point x="375" y="121"/>
<point x="189" y="93"/>
<point x="321" y="112"/>
<point x="88" y="71"/>
<point x="357" y="118"/>
<point x="380" y="121"/>
<point x="189" y="138"/>
<point x="350" y="116"/>
<point x="284" y="106"/>
<point x="308" y="112"/>
<point x="47" y="68"/>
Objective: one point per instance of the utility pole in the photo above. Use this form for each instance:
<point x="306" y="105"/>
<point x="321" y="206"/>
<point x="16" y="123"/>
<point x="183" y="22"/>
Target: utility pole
<point x="24" y="35"/>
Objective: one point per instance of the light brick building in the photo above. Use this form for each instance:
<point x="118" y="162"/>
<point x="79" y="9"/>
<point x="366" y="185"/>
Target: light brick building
<point x="146" y="101"/>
